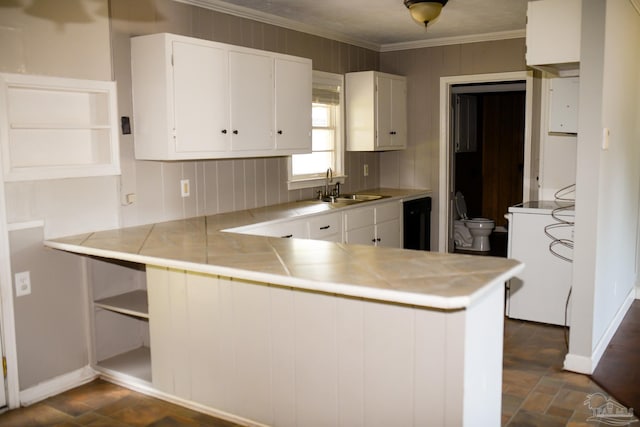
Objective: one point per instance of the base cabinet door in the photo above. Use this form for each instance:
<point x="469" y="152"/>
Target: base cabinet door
<point x="388" y="234"/>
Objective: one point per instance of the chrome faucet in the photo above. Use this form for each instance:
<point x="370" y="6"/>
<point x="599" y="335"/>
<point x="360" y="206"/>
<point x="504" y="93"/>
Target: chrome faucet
<point x="328" y="180"/>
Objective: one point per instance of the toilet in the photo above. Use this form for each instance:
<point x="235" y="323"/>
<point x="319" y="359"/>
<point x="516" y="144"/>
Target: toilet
<point x="470" y="234"/>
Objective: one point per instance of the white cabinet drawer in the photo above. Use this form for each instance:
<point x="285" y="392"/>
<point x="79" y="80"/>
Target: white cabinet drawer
<point x="320" y="227"/>
<point x="387" y="212"/>
<point x="356" y="218"/>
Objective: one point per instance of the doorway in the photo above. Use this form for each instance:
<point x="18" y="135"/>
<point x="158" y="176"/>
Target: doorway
<point x="503" y="108"/>
<point x="487" y="153"/>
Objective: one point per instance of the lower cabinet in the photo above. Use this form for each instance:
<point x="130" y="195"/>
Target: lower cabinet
<point x="377" y="225"/>
<point x="120" y="318"/>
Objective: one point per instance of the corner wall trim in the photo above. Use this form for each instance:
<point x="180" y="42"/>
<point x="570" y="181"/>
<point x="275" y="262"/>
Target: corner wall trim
<point x="57" y="385"/>
<point x="586" y="365"/>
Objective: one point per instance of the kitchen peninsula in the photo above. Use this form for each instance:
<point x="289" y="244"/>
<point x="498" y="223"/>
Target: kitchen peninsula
<point x="285" y="332"/>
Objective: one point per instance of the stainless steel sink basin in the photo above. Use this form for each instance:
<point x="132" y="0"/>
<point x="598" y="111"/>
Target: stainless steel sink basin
<point x="346" y="199"/>
<point x="360" y="197"/>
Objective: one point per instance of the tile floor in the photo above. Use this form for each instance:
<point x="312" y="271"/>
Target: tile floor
<point x="536" y="392"/>
<point x="535" y="389"/>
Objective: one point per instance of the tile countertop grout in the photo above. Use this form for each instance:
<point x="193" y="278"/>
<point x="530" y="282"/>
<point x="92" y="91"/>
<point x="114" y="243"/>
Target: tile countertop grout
<point x="418" y="278"/>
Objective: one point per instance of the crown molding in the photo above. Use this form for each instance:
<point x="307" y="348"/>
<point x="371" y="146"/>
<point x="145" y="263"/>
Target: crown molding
<point x="247" y="13"/>
<point x="444" y="41"/>
<point x="244" y="12"/>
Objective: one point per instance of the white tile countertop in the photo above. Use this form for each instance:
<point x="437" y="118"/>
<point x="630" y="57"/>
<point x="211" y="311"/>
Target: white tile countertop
<point x="426" y="279"/>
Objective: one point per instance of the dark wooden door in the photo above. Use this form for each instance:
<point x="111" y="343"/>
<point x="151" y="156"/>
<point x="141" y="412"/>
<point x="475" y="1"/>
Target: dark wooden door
<point x="502" y="153"/>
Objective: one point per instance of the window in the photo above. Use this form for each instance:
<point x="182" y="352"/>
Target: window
<point x="309" y="170"/>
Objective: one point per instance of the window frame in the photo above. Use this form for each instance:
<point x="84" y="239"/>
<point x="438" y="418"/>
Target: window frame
<point x="316" y="180"/>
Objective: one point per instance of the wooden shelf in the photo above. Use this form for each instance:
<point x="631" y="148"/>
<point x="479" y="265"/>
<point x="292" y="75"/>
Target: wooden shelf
<point x="57" y="127"/>
<point x="133" y="303"/>
<point x="136" y="363"/>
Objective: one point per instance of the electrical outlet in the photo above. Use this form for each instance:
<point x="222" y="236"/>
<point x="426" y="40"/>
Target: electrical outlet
<point x="184" y="188"/>
<point x="366" y="169"/>
<point x="23" y="283"/>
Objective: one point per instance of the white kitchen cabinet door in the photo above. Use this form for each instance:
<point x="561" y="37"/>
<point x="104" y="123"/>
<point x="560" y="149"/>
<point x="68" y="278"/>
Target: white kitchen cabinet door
<point x="361" y="236"/>
<point x="201" y="102"/>
<point x="251" y="97"/>
<point x="388" y="234"/>
<point x="293" y="105"/>
<point x="553" y="36"/>
<point x="376" y="111"/>
<point x="391" y="111"/>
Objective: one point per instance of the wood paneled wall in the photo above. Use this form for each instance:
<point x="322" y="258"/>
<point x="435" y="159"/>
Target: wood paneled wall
<point x="220" y="185"/>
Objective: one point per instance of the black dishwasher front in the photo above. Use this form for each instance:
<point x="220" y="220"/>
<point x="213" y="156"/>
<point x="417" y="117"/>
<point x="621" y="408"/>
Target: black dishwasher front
<point x="417" y="224"/>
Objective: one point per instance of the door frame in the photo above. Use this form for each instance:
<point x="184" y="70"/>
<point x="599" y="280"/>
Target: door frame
<point x="7" y="316"/>
<point x="444" y="186"/>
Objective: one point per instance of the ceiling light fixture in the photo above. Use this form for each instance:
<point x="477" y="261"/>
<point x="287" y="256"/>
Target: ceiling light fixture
<point x="424" y="11"/>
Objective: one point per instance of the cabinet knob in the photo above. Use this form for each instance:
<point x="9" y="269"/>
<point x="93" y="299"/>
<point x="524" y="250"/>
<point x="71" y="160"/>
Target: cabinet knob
<point x="235" y="131"/>
<point x="224" y="131"/>
<point x="378" y="239"/>
<point x="325" y="227"/>
<point x="279" y="132"/>
<point x="287" y="236"/>
<point x="393" y="132"/>
<point x="373" y="240"/>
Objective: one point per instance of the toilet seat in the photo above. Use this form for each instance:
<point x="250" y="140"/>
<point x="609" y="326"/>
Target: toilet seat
<point x="461" y="209"/>
<point x="471" y="233"/>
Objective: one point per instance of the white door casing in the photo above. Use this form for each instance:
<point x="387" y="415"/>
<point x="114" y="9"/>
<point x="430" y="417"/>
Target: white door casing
<point x="445" y="118"/>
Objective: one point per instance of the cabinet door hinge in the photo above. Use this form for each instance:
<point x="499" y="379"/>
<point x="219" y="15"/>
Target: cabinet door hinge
<point x="4" y="366"/>
<point x="172" y="60"/>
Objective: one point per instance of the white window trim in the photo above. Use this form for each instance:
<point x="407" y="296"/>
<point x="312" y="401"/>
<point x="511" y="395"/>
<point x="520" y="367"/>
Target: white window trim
<point x="322" y="77"/>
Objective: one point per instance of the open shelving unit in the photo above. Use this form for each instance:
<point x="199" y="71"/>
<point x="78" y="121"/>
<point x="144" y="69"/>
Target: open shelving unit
<point x="56" y="127"/>
<point x="120" y="318"/>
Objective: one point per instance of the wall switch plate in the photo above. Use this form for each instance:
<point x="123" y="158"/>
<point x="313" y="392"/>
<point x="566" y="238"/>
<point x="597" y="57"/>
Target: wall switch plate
<point x="184" y="188"/>
<point x="23" y="283"/>
<point x="366" y="169"/>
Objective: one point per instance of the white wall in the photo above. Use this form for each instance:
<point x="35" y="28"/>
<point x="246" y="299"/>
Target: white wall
<point x="607" y="191"/>
<point x="53" y="43"/>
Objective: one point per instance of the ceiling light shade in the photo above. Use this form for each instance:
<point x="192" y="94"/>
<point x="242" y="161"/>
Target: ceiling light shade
<point x="424" y="11"/>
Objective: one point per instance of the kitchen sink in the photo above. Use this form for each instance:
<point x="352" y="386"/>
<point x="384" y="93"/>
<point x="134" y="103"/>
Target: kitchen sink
<point x="360" y="197"/>
<point x="346" y="199"/>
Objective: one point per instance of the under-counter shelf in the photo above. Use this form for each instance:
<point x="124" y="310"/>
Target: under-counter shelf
<point x="133" y="303"/>
<point x="56" y="127"/>
<point x="135" y="363"/>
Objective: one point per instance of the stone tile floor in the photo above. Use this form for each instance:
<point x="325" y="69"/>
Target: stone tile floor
<point x="535" y="389"/>
<point x="536" y="392"/>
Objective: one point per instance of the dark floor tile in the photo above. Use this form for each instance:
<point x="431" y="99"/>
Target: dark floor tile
<point x="534" y="419"/>
<point x="39" y="414"/>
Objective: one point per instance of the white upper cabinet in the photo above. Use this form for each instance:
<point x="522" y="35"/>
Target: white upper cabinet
<point x="376" y="109"/>
<point x="563" y="104"/>
<point x="293" y="124"/>
<point x="553" y="36"/>
<point x="52" y="127"/>
<point x="201" y="103"/>
<point x="251" y="96"/>
<point x="197" y="99"/>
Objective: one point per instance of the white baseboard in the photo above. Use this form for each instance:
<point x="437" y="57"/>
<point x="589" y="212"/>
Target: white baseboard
<point x="57" y="385"/>
<point x="587" y="364"/>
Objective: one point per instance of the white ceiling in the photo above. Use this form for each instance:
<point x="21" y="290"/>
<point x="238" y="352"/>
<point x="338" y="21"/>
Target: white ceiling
<point x="384" y="24"/>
